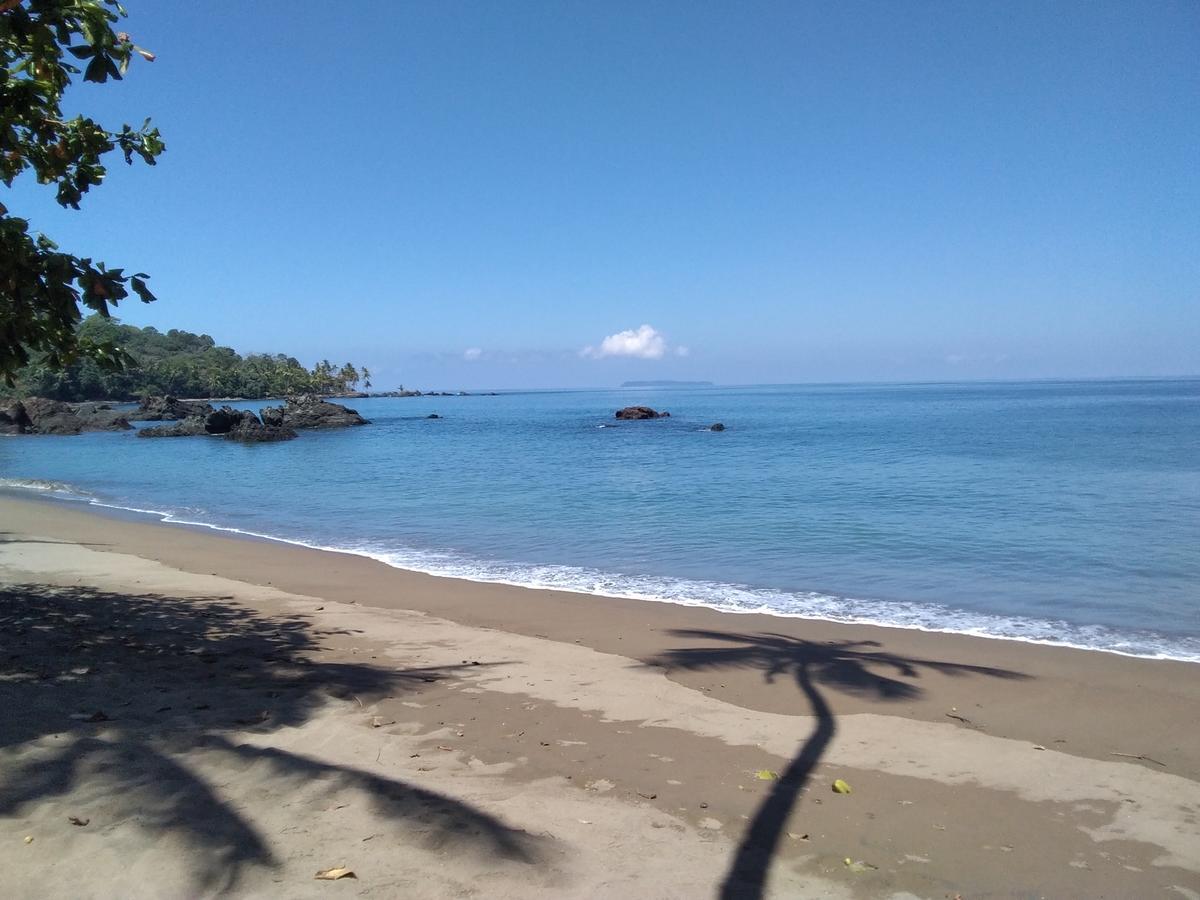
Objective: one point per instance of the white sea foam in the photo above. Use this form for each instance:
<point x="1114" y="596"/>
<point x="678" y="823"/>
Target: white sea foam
<point x="730" y="598"/>
<point x="58" y="488"/>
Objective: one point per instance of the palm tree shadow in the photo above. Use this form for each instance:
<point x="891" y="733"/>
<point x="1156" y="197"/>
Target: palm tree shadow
<point x="860" y="668"/>
<point x="106" y="693"/>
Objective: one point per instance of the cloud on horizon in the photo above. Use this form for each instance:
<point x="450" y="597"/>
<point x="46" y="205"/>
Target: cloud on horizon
<point x="472" y="353"/>
<point x="643" y="343"/>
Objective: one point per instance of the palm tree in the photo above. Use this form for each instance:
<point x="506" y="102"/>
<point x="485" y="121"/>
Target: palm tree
<point x="856" y="667"/>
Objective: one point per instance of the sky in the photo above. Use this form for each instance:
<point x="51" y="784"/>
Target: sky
<point x="573" y="194"/>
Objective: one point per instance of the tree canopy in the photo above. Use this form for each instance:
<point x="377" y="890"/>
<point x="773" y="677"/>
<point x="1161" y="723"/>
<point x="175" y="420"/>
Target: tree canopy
<point x="177" y="363"/>
<point x="43" y="290"/>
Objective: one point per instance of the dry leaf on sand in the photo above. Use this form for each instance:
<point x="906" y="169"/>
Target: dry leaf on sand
<point x="335" y="873"/>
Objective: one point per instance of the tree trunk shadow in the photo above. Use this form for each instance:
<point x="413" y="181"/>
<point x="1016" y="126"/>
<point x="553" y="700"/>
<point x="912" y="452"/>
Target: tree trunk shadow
<point x="747" y="876"/>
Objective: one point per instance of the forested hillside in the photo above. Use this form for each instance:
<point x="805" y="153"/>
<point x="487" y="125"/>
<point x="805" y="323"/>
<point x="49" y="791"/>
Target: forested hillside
<point x="180" y="364"/>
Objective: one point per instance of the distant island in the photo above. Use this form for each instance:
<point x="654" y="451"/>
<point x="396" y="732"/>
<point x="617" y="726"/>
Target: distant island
<point x="666" y="383"/>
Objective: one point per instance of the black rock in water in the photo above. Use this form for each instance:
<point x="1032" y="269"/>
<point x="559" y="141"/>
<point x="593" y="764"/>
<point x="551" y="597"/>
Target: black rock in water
<point x="311" y="412"/>
<point x="225" y="419"/>
<point x="252" y="431"/>
<point x="641" y="412"/>
<point x="187" y="428"/>
<point x="716" y="426"/>
<point x="101" y="417"/>
<point x="158" y="409"/>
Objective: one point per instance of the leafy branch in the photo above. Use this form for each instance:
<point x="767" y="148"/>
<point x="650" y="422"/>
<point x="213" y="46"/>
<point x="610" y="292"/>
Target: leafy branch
<point x="43" y="291"/>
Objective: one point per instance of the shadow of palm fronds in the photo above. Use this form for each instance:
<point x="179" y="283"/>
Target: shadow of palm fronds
<point x="105" y="692"/>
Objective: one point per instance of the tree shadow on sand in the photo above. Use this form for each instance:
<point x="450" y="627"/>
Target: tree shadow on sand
<point x="103" y="693"/>
<point x="859" y="668"/>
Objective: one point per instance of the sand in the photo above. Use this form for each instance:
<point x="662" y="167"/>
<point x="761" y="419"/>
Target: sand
<point x="231" y="716"/>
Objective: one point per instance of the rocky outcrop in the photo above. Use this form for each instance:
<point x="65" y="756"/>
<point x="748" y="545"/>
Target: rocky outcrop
<point x="50" y="417"/>
<point x="311" y="412"/>
<point x="225" y="419"/>
<point x="234" y="424"/>
<point x="159" y="409"/>
<point x="38" y="415"/>
<point x="716" y="426"/>
<point x="641" y="412"/>
<point x="252" y="431"/>
<point x="216" y="421"/>
<point x="187" y="428"/>
<point x="13" y="419"/>
<point x="101" y="417"/>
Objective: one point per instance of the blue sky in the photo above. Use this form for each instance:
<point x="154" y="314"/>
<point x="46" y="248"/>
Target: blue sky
<point x="478" y="195"/>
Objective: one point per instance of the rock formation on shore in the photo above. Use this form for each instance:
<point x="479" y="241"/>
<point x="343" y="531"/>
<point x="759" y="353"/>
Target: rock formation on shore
<point x="37" y="415"/>
<point x="641" y="412"/>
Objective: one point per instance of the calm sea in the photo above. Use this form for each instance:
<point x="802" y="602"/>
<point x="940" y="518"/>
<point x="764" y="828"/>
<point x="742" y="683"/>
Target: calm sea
<point x="1058" y="512"/>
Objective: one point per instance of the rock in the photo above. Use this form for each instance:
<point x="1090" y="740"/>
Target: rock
<point x="641" y="412"/>
<point x="307" y="411"/>
<point x="101" y="417"/>
<point x="50" y="417"/>
<point x="187" y="428"/>
<point x="13" y="419"/>
<point x="217" y="421"/>
<point x="716" y="426"/>
<point x="433" y="416"/>
<point x="225" y="419"/>
<point x="158" y="409"/>
<point x="252" y="431"/>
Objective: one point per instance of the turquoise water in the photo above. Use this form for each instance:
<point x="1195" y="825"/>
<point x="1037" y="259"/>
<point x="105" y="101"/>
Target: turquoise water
<point x="1058" y="512"/>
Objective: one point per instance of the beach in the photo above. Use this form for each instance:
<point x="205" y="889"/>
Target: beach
<point x="234" y="715"/>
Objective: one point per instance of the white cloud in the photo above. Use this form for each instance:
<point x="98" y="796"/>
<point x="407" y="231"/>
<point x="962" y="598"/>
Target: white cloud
<point x="472" y="353"/>
<point x="644" y="343"/>
<point x="682" y="351"/>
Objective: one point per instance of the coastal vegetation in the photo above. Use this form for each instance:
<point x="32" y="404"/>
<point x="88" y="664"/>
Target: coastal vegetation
<point x="44" y="292"/>
<point x="176" y="363"/>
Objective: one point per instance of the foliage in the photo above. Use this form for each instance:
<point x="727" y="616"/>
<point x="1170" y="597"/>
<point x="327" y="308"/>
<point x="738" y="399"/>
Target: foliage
<point x="42" y="289"/>
<point x="177" y="363"/>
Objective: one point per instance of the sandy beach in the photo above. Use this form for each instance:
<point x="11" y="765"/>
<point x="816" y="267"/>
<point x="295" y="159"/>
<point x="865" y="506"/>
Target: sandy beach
<point x="189" y="713"/>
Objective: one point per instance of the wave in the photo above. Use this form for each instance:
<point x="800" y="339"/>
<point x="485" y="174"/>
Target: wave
<point x="723" y="597"/>
<point x="41" y="486"/>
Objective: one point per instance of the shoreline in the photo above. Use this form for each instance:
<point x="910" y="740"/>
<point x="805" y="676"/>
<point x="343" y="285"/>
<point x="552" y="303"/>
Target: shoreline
<point x="600" y="749"/>
<point x="68" y="494"/>
<point x="628" y="627"/>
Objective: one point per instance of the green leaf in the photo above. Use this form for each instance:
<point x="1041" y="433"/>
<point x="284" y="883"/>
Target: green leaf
<point x="96" y="71"/>
<point x="139" y="288"/>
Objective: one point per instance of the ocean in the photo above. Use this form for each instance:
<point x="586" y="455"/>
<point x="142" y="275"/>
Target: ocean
<point x="1055" y="512"/>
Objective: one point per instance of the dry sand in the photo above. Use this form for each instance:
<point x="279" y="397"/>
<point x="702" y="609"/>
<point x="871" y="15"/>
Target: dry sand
<point x="232" y="715"/>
